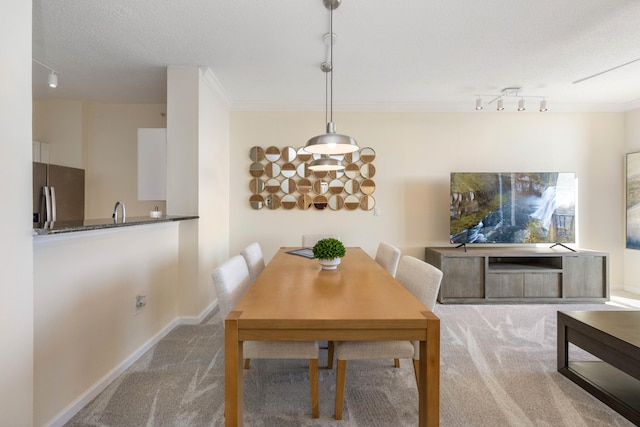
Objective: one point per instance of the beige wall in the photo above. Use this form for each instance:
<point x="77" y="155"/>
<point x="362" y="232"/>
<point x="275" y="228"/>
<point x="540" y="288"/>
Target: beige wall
<point x="102" y="139"/>
<point x="213" y="184"/>
<point x="61" y="124"/>
<point x="112" y="158"/>
<point x="197" y="166"/>
<point x="415" y="152"/>
<point x="16" y="280"/>
<point x="632" y="256"/>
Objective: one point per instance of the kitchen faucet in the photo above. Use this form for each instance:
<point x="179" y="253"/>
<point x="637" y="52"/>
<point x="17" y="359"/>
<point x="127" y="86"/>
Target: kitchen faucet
<point x="115" y="212"/>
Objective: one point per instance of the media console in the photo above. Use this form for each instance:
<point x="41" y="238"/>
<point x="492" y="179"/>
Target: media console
<point x="520" y="275"/>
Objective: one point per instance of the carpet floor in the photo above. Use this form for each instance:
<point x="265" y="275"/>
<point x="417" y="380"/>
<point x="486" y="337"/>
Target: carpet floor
<point x="498" y="368"/>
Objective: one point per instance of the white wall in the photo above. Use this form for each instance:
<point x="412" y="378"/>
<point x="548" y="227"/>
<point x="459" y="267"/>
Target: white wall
<point x="632" y="256"/>
<point x="16" y="281"/>
<point x="415" y="152"/>
<point x="86" y="327"/>
<point x="86" y="324"/>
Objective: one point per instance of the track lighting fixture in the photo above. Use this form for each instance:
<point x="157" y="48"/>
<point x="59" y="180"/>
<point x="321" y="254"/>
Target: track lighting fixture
<point x="543" y="105"/>
<point x="53" y="79"/>
<point x="53" y="76"/>
<point x="510" y="92"/>
<point x="330" y="143"/>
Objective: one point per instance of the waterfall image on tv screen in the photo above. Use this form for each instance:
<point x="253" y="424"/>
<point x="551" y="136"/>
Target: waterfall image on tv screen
<point x="512" y="207"/>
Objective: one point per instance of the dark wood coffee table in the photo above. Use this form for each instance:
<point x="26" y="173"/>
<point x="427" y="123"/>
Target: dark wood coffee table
<point x="614" y="338"/>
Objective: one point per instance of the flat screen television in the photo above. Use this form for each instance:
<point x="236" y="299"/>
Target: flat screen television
<point x="512" y="207"/>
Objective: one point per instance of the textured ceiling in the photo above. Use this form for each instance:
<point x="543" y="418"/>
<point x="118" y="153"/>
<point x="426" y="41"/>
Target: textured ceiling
<point x="410" y="55"/>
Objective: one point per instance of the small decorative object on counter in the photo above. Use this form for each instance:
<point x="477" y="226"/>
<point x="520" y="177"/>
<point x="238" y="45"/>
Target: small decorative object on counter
<point x="329" y="252"/>
<point x="155" y="213"/>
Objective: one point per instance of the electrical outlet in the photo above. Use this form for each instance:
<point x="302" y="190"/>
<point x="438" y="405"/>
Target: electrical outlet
<point x="141" y="301"/>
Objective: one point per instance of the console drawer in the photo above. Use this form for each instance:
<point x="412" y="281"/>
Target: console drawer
<point x="505" y="285"/>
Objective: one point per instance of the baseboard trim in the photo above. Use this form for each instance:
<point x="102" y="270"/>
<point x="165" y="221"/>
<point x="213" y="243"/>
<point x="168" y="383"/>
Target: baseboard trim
<point x="632" y="289"/>
<point x="85" y="398"/>
<point x="198" y="319"/>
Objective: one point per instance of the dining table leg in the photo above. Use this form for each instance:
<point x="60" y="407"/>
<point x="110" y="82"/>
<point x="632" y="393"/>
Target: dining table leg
<point x="429" y="374"/>
<point x="233" y="393"/>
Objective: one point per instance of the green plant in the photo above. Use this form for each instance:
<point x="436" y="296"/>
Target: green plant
<point x="329" y="249"/>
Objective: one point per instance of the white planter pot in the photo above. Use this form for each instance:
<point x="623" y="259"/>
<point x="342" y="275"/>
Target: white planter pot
<point x="329" y="264"/>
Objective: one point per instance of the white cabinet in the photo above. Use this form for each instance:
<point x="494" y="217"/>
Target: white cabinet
<point x="40" y="152"/>
<point x="152" y="164"/>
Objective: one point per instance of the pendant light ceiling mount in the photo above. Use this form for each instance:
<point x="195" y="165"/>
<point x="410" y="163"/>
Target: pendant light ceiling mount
<point x="330" y="143"/>
<point x="331" y="4"/>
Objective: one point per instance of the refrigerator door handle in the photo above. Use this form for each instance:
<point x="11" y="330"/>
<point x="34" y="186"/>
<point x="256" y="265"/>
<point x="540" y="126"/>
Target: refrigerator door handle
<point x="53" y="204"/>
<point x="47" y="202"/>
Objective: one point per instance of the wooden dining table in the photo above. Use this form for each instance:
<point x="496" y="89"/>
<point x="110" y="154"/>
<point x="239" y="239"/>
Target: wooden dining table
<point x="293" y="299"/>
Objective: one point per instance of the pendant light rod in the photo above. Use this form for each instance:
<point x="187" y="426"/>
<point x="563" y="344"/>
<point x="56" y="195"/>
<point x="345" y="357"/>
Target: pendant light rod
<point x="330" y="143"/>
<point x="331" y="57"/>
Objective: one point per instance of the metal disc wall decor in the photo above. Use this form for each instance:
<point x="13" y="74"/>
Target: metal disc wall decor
<point x="280" y="178"/>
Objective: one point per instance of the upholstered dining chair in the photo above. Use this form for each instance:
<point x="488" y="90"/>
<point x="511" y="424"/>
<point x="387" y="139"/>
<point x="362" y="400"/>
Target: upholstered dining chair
<point x="252" y="254"/>
<point x="310" y="240"/>
<point x="388" y="257"/>
<point x="423" y="281"/>
<point x="231" y="280"/>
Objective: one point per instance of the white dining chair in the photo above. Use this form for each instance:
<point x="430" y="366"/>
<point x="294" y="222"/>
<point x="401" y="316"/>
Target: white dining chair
<point x="388" y="257"/>
<point x="423" y="281"/>
<point x="231" y="281"/>
<point x="310" y="240"/>
<point x="252" y="254"/>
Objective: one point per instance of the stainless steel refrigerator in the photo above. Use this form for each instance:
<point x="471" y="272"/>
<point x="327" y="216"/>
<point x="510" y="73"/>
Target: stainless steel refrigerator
<point x="58" y="194"/>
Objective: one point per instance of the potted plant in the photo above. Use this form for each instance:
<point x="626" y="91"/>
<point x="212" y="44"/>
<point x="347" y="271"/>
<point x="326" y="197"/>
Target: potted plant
<point x="329" y="251"/>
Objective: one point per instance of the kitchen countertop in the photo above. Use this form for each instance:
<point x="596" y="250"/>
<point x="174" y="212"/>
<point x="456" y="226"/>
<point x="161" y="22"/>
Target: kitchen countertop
<point x="59" y="227"/>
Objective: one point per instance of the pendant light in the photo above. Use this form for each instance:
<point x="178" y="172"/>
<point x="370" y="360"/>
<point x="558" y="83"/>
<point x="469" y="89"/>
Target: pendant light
<point x="325" y="163"/>
<point x="330" y="143"/>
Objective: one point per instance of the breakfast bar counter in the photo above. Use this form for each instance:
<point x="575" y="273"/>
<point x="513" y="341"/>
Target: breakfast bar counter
<point x="59" y="227"/>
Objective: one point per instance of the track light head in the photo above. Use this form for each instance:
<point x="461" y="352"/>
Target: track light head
<point x="53" y="79"/>
<point x="330" y="142"/>
<point x="508" y="93"/>
<point x="543" y="105"/>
